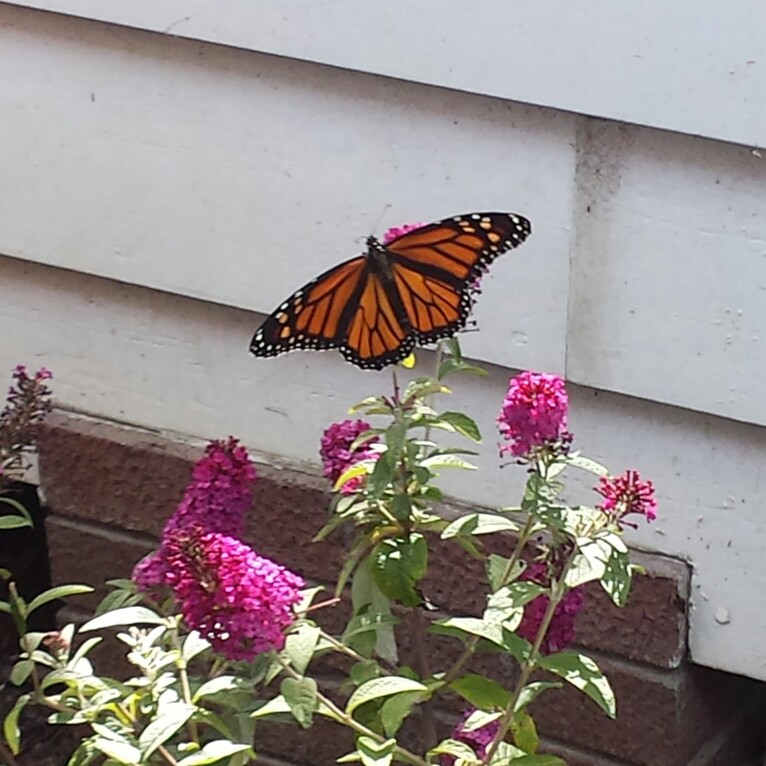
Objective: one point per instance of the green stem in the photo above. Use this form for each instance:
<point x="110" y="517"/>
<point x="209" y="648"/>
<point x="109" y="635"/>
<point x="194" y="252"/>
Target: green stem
<point x="424" y="670"/>
<point x="530" y="664"/>
<point x="183" y="674"/>
<point x="347" y="720"/>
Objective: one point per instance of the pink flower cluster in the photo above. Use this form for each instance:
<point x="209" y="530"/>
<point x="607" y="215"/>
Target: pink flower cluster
<point x="337" y="455"/>
<point x="561" y="631"/>
<point x="534" y="414"/>
<point x="479" y="739"/>
<point x="220" y="492"/>
<point x="240" y="602"/>
<point x="399" y="231"/>
<point x="28" y="402"/>
<point x="627" y="494"/>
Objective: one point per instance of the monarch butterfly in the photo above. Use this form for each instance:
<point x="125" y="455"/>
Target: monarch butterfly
<point x="416" y="288"/>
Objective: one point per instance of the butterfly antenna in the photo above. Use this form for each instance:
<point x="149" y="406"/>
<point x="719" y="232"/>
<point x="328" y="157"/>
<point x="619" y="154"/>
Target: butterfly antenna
<point x="386" y="208"/>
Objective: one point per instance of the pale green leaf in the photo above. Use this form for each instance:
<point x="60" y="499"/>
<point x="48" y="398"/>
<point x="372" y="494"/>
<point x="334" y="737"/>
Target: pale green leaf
<point x="213" y="752"/>
<point x="584" y="674"/>
<point x="301" y="697"/>
<point x="61" y="591"/>
<point x="174" y="715"/>
<point x="11" y="724"/>
<point x="382" y="687"/>
<point x="129" y="615"/>
<point x="373" y="753"/>
<point x="300" y="646"/>
<point x="479" y="524"/>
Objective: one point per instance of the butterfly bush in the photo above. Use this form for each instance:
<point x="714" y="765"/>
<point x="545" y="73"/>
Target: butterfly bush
<point x="27" y="404"/>
<point x="534" y="414"/>
<point x="338" y="456"/>
<point x="239" y="601"/>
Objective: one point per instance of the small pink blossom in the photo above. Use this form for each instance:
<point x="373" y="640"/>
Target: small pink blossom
<point x="241" y="602"/>
<point x="534" y="414"/>
<point x="399" y="231"/>
<point x="561" y="631"/>
<point x="337" y="455"/>
<point x="627" y="494"/>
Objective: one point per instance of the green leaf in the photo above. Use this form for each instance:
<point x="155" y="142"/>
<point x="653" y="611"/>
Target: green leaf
<point x="11" y="724"/>
<point x="275" y="706"/>
<point x="463" y="627"/>
<point x="395" y="710"/>
<point x="382" y="475"/>
<point x="517" y="646"/>
<point x="120" y="750"/>
<point x="539" y="760"/>
<point x="129" y="615"/>
<point x="531" y="691"/>
<point x="61" y="591"/>
<point x="506" y="754"/>
<point x="481" y="692"/>
<point x="21" y="671"/>
<point x="362" y="671"/>
<point x="373" y="753"/>
<point x="479" y="524"/>
<point x="453" y="747"/>
<point x="301" y="697"/>
<point x="162" y="728"/>
<point x="583" y="673"/>
<point x="13" y="522"/>
<point x="193" y="646"/>
<point x="300" y="646"/>
<point x="357" y="469"/>
<point x="219" y="685"/>
<point x="382" y="687"/>
<point x="5" y="607"/>
<point x="525" y="732"/>
<point x="496" y="569"/>
<point x="579" y="461"/>
<point x="435" y="462"/>
<point x="213" y="752"/>
<point x="398" y="564"/>
<point x="462" y="424"/>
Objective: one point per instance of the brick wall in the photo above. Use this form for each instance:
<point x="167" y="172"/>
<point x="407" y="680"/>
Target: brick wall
<point x="109" y="490"/>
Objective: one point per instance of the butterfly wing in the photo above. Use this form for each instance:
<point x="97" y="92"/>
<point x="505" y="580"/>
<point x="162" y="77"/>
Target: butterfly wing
<point x="421" y="294"/>
<point x="317" y="315"/>
<point x="435" y="268"/>
<point x="346" y="308"/>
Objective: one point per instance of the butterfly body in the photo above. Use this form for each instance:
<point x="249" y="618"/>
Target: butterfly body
<point x="414" y="289"/>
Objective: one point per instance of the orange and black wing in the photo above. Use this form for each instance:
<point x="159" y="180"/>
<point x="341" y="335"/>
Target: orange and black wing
<point x="346" y="308"/>
<point x="436" y="268"/>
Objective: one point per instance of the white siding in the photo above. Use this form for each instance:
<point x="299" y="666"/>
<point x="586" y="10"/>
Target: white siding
<point x="695" y="66"/>
<point x="157" y="192"/>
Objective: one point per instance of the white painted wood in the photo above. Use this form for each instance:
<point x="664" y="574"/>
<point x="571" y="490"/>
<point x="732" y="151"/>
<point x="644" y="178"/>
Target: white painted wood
<point x="668" y="282"/>
<point x="236" y="177"/>
<point x="180" y="365"/>
<point x="695" y="66"/>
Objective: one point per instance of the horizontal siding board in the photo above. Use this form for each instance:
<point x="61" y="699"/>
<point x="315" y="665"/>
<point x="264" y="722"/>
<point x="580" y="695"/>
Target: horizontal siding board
<point x="235" y="177"/>
<point x="173" y="364"/>
<point x="668" y="271"/>
<point x="693" y="66"/>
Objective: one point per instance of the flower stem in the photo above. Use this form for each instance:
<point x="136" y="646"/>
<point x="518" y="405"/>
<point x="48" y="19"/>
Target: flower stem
<point x="184" y="677"/>
<point x="530" y="664"/>
<point x="423" y="667"/>
<point x="347" y="720"/>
